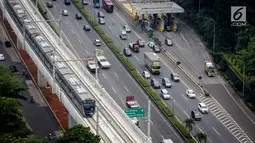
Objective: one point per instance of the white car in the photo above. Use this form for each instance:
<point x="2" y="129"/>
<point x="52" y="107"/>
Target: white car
<point x="190" y="93"/>
<point x="164" y="93"/>
<point x="151" y="44"/>
<point x="2" y="58"/>
<point x="65" y="13"/>
<point x="126" y="28"/>
<point x="97" y="42"/>
<point x="203" y="108"/>
<point x="146" y="74"/>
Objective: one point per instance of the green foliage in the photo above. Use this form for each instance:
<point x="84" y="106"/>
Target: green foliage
<point x="31" y="140"/>
<point x="114" y="47"/>
<point x="79" y="5"/>
<point x="92" y="21"/>
<point x="189" y="124"/>
<point x="11" y="118"/>
<point x="79" y="134"/>
<point x="182" y="129"/>
<point x="100" y="31"/>
<point x="201" y="137"/>
<point x="85" y="12"/>
<point x="106" y="37"/>
<point x="142" y="81"/>
<point x="76" y="1"/>
<point x="10" y="85"/>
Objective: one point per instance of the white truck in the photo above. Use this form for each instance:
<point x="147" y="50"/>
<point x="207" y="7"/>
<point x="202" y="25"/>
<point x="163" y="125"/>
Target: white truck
<point x="91" y="63"/>
<point x="102" y="60"/>
<point x="152" y="62"/>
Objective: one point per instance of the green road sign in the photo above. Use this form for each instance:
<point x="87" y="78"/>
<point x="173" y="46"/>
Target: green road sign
<point x="135" y="112"/>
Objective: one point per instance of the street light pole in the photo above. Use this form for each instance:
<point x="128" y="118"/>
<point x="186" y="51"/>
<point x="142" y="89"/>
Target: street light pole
<point x="213" y="32"/>
<point x="148" y="121"/>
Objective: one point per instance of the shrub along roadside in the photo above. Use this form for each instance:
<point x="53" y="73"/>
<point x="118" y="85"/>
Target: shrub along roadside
<point x="128" y="64"/>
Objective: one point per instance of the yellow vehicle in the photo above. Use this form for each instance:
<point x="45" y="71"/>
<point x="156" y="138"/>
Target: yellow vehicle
<point x="209" y="69"/>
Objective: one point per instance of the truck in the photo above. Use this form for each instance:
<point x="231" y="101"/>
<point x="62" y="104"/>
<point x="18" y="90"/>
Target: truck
<point x="91" y="63"/>
<point x="152" y="62"/>
<point x="167" y="141"/>
<point x="209" y="68"/>
<point x="102" y="60"/>
<point x="131" y="102"/>
<point x="134" y="47"/>
<point x="96" y="3"/>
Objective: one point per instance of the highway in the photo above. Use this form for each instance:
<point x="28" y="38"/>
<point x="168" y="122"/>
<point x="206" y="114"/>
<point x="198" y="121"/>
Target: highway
<point x="117" y="82"/>
<point x="114" y="23"/>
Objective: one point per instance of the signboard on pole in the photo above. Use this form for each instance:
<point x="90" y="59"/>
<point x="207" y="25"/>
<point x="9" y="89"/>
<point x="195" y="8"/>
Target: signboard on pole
<point x="135" y="112"/>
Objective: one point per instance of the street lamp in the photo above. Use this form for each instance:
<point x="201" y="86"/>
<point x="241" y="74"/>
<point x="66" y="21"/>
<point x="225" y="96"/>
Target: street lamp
<point x="213" y="32"/>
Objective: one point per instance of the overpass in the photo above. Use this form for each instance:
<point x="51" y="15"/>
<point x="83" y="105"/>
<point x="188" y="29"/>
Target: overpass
<point x="72" y="81"/>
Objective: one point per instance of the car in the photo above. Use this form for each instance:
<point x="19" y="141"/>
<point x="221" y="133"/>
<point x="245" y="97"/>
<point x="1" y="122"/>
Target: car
<point x="86" y="28"/>
<point x="49" y="4"/>
<point x="156" y="49"/>
<point x="168" y="42"/>
<point x="164" y="94"/>
<point x="190" y="93"/>
<point x="140" y="42"/>
<point x="146" y="74"/>
<point x="13" y="69"/>
<point x="166" y="82"/>
<point x="196" y="115"/>
<point x="65" y="13"/>
<point x="100" y="14"/>
<point x="155" y="84"/>
<point x="151" y="44"/>
<point x="101" y="21"/>
<point x="85" y="2"/>
<point x="7" y="44"/>
<point x="78" y="16"/>
<point x="175" y="77"/>
<point x="97" y="5"/>
<point x="2" y="58"/>
<point x="127" y="52"/>
<point x="67" y="2"/>
<point x="97" y="42"/>
<point x="126" y="28"/>
<point x="203" y="108"/>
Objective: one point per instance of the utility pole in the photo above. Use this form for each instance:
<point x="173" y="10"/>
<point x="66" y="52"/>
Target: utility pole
<point x="149" y="121"/>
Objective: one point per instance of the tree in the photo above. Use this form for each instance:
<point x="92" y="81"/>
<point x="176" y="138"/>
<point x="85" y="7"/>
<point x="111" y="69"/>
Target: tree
<point x="31" y="140"/>
<point x="11" y="118"/>
<point x="78" y="134"/>
<point x="10" y="85"/>
<point x="189" y="124"/>
<point x="201" y="137"/>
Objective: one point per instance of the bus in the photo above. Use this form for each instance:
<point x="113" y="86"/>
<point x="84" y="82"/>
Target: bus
<point x="108" y="6"/>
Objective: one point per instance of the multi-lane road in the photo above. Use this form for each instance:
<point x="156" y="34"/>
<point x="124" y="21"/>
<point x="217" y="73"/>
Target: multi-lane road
<point x="118" y="82"/>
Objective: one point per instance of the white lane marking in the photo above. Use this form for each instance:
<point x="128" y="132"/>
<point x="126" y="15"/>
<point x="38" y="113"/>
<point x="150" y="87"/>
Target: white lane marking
<point x="151" y="122"/>
<point x="66" y="22"/>
<point x="184" y="96"/>
<point x="129" y="26"/>
<point x="104" y="76"/>
<point x="113" y="89"/>
<point x="126" y="88"/>
<point x="110" y="27"/>
<point x="162" y="136"/>
<point x="86" y="51"/>
<point x="184" y="38"/>
<point x="123" y="103"/>
<point x="79" y="41"/>
<point x="216" y="131"/>
<point x="235" y="100"/>
<point x="116" y="74"/>
<point x="137" y="58"/>
<point x="55" y="6"/>
<point x="186" y="113"/>
<point x="72" y="31"/>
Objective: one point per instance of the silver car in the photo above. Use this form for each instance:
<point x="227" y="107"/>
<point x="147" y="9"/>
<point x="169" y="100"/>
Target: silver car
<point x="101" y="21"/>
<point x="65" y="13"/>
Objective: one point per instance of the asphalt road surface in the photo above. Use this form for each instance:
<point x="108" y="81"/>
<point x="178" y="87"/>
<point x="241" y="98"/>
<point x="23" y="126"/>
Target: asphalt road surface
<point x="37" y="115"/>
<point x="116" y="80"/>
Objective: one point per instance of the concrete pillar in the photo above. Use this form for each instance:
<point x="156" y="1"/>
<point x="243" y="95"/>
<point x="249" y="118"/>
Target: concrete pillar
<point x="42" y="82"/>
<point x="71" y="121"/>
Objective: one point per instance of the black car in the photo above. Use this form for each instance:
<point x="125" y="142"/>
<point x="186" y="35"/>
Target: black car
<point x="49" y="4"/>
<point x="156" y="49"/>
<point x="166" y="82"/>
<point x="196" y="115"/>
<point x="127" y="52"/>
<point x="13" y="69"/>
<point x="155" y="84"/>
<point x="175" y="77"/>
<point x="78" y="16"/>
<point x="86" y="28"/>
<point x="67" y="2"/>
<point x="100" y="14"/>
<point x="7" y="44"/>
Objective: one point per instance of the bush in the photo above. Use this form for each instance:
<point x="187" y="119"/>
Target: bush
<point x="79" y="5"/>
<point x="134" y="73"/>
<point x="114" y="47"/>
<point x="106" y="37"/>
<point x="152" y="93"/>
<point x="100" y="31"/>
<point x="76" y="1"/>
<point x="85" y="12"/>
<point x="180" y="127"/>
<point x="143" y="81"/>
<point x="92" y="21"/>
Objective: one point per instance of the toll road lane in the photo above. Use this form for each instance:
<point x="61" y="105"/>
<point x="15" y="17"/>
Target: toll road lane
<point x="115" y="86"/>
<point x="139" y="63"/>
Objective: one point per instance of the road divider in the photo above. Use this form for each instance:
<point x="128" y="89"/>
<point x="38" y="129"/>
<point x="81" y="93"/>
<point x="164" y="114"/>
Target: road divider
<point x="143" y="83"/>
